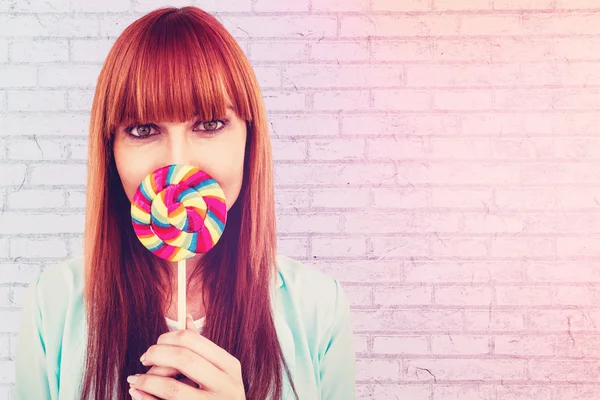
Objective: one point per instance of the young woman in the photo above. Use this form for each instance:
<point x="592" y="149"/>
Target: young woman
<point x="177" y="89"/>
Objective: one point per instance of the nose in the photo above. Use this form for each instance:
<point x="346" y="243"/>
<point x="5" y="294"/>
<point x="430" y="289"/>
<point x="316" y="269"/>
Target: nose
<point x="180" y="149"/>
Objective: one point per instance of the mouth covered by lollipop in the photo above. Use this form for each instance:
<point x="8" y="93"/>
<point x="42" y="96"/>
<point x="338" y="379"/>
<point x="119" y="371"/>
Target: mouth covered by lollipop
<point x="178" y="211"/>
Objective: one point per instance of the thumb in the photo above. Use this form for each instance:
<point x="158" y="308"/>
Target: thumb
<point x="189" y="323"/>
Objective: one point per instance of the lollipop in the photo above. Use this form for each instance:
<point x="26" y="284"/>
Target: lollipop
<point x="177" y="212"/>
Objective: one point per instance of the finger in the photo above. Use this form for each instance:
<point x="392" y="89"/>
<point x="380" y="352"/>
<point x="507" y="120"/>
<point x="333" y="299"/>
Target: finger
<point x="140" y="395"/>
<point x="165" y="388"/>
<point x="171" y="373"/>
<point x="199" y="344"/>
<point x="192" y="365"/>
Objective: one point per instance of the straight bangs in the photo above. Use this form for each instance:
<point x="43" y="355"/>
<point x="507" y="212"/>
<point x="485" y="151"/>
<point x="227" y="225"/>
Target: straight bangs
<point x="173" y="72"/>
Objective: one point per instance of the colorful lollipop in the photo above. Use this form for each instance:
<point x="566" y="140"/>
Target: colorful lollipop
<point x="179" y="211"/>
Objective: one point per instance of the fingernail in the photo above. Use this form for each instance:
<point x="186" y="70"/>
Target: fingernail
<point x="136" y="395"/>
<point x="190" y="317"/>
<point x="143" y="357"/>
<point x="131" y="379"/>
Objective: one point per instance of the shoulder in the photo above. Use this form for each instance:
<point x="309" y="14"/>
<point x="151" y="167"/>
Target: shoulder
<point x="315" y="294"/>
<point x="59" y="290"/>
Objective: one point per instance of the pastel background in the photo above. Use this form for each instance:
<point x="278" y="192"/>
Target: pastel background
<point x="439" y="157"/>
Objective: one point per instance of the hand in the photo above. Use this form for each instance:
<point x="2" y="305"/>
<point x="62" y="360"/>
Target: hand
<point x="210" y="370"/>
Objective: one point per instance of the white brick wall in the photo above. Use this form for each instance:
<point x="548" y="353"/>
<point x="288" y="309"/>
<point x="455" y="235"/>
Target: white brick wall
<point x="439" y="157"/>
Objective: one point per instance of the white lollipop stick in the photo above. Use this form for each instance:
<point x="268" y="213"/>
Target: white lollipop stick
<point x="181" y="295"/>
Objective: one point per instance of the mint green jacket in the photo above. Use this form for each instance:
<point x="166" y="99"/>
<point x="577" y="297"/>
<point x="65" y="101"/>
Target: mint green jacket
<point x="311" y="312"/>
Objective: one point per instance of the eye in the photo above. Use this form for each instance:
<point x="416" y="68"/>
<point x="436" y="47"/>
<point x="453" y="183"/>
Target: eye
<point x="211" y="127"/>
<point x="143" y="131"/>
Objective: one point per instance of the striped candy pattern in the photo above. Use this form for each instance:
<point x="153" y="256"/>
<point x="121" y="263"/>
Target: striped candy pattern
<point x="178" y="211"/>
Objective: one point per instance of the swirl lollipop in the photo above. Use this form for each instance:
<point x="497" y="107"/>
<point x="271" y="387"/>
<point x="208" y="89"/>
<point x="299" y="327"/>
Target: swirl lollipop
<point x="177" y="212"/>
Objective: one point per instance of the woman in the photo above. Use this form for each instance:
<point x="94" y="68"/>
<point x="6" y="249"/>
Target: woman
<point x="177" y="89"/>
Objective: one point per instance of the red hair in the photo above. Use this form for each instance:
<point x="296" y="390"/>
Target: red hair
<point x="173" y="64"/>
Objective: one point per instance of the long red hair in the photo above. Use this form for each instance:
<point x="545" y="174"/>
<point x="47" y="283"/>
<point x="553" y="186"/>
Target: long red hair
<point x="171" y="65"/>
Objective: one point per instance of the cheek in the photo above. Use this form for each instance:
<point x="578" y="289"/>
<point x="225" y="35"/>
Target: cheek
<point x="132" y="171"/>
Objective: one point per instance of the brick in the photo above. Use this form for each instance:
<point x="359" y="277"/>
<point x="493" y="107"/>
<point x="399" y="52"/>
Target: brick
<point x="466" y="272"/>
<point x="342" y="76"/>
<point x="521" y="247"/>
<point x="342" y="197"/>
<point x="78" y="151"/>
<point x="94" y="6"/>
<point x="478" y="24"/>
<point x="289" y="149"/>
<point x="278" y="6"/>
<point x="7" y="368"/>
<point x="399" y="125"/>
<point x="10" y="322"/>
<point x="70" y="76"/>
<point x="575" y="4"/>
<point x="325" y="50"/>
<point x="461" y="75"/>
<point x="470" y="173"/>
<point x="32" y="198"/>
<point x="576" y="99"/>
<point x="333" y="149"/>
<point x="401" y="391"/>
<point x="378" y="370"/>
<point x="443" y="246"/>
<point x="366" y="271"/>
<point x="523" y="5"/>
<point x="465" y="369"/>
<point x="458" y="198"/>
<point x="587" y="197"/>
<point x="40" y="6"/>
<point x="470" y="5"/>
<point x="4" y="302"/>
<point x="4" y="348"/>
<point x="328" y="174"/>
<point x="404" y="99"/>
<point x="12" y="174"/>
<point x="460" y="392"/>
<point x="561" y="24"/>
<point x="17" y="76"/>
<point x="361" y="343"/>
<point x="505" y="321"/>
<point x="76" y="199"/>
<point x="527" y="392"/>
<point x="557" y="272"/>
<point x="459" y="148"/>
<point x="522" y="295"/>
<point x="39" y="50"/>
<point x="401" y="50"/>
<point x="391" y="5"/>
<point x="276" y="100"/>
<point x="37" y="149"/>
<point x="278" y="51"/>
<point x="577" y="345"/>
<point x="493" y="223"/>
<point x="36" y="248"/>
<point x="75" y="247"/>
<point x="523" y="199"/>
<point x="401" y="295"/>
<point x="304" y="125"/>
<point x="398" y="25"/>
<point x="383" y="222"/>
<point x="461" y="50"/>
<point x="90" y="50"/>
<point x="564" y="320"/>
<point x="517" y="124"/>
<point x="334" y="100"/>
<point x="47" y="25"/>
<point x="359" y="296"/>
<point x="528" y="148"/>
<point x="292" y="199"/>
<point x="79" y="100"/>
<point x="400" y="345"/>
<point x="460" y="344"/>
<point x="36" y="100"/>
<point x="58" y="174"/>
<point x="49" y="123"/>
<point x="576" y="296"/>
<point x="464" y="295"/>
<point x="462" y="100"/>
<point x="30" y="223"/>
<point x="19" y="294"/>
<point x="340" y="5"/>
<point x="520" y="49"/>
<point x="401" y="197"/>
<point x="293" y="247"/>
<point x="401" y="148"/>
<point x="307" y="223"/>
<point x="525" y="345"/>
<point x="338" y="246"/>
<point x="555" y="173"/>
<point x="3" y="248"/>
<point x="293" y="26"/>
<point x="573" y="223"/>
<point x="145" y="6"/>
<point x="268" y="76"/>
<point x="399" y="246"/>
<point x="408" y="320"/>
<point x="563" y="370"/>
